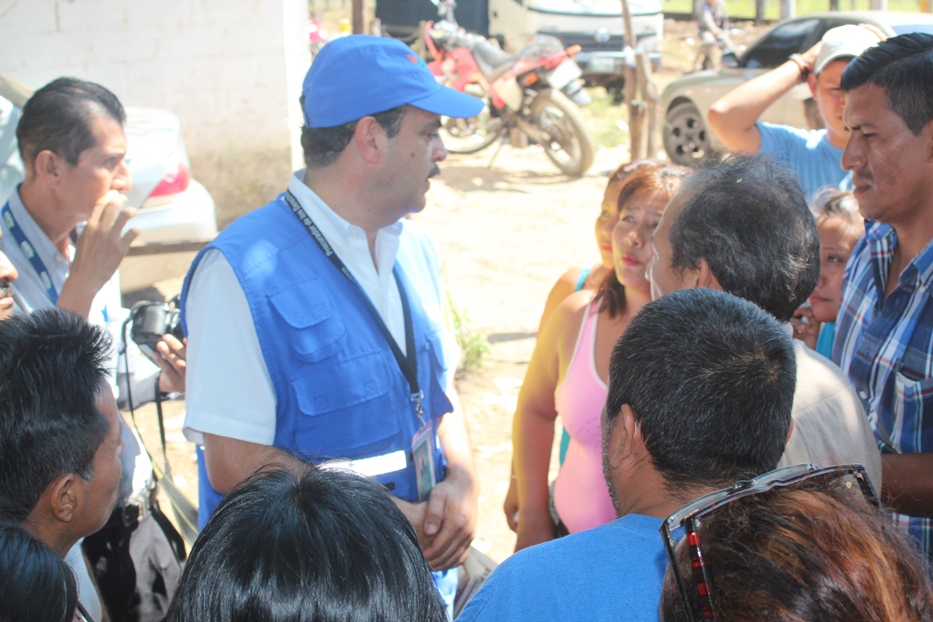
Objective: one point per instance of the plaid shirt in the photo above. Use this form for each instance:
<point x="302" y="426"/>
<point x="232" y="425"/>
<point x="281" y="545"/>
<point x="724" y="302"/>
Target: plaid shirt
<point x="886" y="348"/>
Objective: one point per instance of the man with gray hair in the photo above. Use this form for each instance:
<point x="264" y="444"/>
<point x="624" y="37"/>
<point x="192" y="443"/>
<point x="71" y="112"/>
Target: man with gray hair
<point x="743" y="226"/>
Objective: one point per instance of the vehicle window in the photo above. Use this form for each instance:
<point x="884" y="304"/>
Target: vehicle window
<point x="904" y="29"/>
<point x="774" y="48"/>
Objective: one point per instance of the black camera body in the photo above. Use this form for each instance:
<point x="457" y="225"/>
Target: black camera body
<point x="152" y="320"/>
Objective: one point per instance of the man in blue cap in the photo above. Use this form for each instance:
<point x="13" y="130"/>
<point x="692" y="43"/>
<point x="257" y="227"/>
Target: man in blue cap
<point x="314" y="323"/>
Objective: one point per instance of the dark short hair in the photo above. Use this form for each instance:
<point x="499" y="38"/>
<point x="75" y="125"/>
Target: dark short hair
<point x="323" y="545"/>
<point x="323" y="145"/>
<point x="59" y="118"/>
<point x="51" y="366"/>
<point x="711" y="381"/>
<point x="637" y="176"/>
<point x="36" y="585"/>
<point x="807" y="552"/>
<point x="749" y="220"/>
<point x="903" y="67"/>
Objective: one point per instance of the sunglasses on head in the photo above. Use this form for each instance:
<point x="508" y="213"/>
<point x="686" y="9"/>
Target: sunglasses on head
<point x="685" y="523"/>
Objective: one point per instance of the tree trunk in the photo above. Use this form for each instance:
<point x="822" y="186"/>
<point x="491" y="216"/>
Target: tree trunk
<point x="833" y="5"/>
<point x="649" y="92"/>
<point x="789" y="8"/>
<point x="636" y="109"/>
<point x="878" y="5"/>
<point x="759" y="11"/>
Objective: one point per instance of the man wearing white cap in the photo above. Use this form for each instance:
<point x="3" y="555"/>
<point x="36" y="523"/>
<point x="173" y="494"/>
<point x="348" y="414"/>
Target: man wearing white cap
<point x="314" y="323"/>
<point x="813" y="154"/>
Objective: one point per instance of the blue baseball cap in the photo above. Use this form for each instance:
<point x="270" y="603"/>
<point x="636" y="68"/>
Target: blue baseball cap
<point x="360" y="75"/>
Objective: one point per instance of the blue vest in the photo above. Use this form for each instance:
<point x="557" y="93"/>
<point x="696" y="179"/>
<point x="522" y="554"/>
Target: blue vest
<point x="339" y="390"/>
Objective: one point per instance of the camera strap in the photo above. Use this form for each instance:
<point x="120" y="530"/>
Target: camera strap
<point x="408" y="362"/>
<point x="30" y="251"/>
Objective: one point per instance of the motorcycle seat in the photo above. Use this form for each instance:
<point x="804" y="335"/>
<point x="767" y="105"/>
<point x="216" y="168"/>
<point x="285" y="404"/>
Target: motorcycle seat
<point x="491" y="59"/>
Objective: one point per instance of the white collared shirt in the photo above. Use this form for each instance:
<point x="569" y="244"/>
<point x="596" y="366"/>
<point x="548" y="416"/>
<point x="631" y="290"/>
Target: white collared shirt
<point x="225" y="359"/>
<point x="106" y="311"/>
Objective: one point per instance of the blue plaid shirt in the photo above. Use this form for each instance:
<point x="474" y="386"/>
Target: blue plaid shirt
<point x="886" y="348"/>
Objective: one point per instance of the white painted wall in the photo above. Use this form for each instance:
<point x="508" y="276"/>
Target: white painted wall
<point x="231" y="70"/>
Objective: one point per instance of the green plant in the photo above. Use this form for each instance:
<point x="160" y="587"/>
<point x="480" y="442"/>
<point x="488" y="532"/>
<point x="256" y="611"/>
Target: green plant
<point x="473" y="346"/>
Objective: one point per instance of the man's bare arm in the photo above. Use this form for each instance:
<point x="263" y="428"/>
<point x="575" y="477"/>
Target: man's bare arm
<point x="907" y="484"/>
<point x="733" y="117"/>
<point x="450" y="513"/>
<point x="229" y="461"/>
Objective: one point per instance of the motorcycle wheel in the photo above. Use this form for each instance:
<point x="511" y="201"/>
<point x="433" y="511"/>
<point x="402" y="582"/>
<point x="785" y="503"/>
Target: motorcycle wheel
<point x="570" y="147"/>
<point x="473" y="134"/>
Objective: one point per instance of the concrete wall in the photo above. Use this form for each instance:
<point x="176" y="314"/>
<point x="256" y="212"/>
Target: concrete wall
<point x="231" y="70"/>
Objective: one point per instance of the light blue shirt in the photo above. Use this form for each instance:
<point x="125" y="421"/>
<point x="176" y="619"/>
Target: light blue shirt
<point x="612" y="572"/>
<point x="808" y="153"/>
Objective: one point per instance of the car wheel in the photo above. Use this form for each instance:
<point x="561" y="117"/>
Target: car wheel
<point x="685" y="139"/>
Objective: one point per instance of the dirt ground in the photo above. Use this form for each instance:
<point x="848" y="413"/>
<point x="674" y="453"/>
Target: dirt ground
<point x="504" y="233"/>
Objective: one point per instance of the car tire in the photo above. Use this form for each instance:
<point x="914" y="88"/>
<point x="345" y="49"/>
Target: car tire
<point x="685" y="138"/>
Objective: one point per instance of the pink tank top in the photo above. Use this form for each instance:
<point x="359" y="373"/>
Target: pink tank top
<point x="580" y="493"/>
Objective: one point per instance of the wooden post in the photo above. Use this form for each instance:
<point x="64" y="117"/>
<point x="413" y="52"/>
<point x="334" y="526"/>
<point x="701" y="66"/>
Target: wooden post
<point x="636" y="108"/>
<point x="833" y="5"/>
<point x="649" y="92"/>
<point x="789" y="8"/>
<point x="759" y="11"/>
<point x="358" y="21"/>
<point x="878" y="5"/>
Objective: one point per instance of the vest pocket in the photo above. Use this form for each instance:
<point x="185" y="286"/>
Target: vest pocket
<point x="308" y="308"/>
<point x="346" y="405"/>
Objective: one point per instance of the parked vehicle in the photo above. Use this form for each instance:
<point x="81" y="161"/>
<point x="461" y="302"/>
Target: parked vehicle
<point x="687" y="100"/>
<point x="173" y="207"/>
<point x="536" y="91"/>
<point x="595" y="25"/>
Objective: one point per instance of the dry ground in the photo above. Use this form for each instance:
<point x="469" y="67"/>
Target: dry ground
<point x="505" y="233"/>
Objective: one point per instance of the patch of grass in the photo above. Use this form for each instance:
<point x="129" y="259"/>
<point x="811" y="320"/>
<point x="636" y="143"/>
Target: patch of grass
<point x="745" y="9"/>
<point x="473" y="346"/>
<point x="602" y="117"/>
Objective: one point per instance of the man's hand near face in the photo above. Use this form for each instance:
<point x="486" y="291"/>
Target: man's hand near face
<point x="99" y="251"/>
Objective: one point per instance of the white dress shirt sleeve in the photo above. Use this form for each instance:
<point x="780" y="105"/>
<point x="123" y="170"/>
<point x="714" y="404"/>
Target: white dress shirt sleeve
<point x="229" y="390"/>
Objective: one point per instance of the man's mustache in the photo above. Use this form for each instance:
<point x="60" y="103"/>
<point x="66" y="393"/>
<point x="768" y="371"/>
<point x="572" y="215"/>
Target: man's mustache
<point x="435" y="170"/>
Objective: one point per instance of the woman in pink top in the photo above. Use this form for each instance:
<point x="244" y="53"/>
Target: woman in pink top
<point x="582" y="277"/>
<point x="568" y="370"/>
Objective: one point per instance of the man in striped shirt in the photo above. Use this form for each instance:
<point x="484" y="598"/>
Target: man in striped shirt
<point x="884" y="339"/>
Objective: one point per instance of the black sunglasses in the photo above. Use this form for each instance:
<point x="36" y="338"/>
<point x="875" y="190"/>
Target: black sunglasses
<point x="685" y="522"/>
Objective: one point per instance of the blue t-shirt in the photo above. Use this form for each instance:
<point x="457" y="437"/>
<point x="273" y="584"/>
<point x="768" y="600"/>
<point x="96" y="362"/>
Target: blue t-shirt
<point x="807" y="152"/>
<point x="612" y="572"/>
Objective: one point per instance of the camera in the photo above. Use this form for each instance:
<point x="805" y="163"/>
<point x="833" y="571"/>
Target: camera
<point x="151" y="320"/>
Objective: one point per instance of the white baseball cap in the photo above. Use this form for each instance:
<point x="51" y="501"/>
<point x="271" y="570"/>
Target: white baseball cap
<point x="844" y="42"/>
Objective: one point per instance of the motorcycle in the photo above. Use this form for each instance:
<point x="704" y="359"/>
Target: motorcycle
<point x="536" y="91"/>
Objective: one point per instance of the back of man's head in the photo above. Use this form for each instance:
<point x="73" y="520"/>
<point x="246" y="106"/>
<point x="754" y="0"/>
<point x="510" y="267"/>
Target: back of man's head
<point x="324" y="545"/>
<point x="59" y="118"/>
<point x="710" y="379"/>
<point x="903" y="67"/>
<point x="748" y="218"/>
<point x="51" y="367"/>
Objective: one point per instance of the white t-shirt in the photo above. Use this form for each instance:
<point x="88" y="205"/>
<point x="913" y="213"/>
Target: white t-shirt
<point x="229" y="390"/>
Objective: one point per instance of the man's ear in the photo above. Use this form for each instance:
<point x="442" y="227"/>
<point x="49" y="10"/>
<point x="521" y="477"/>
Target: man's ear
<point x="625" y="436"/>
<point x="63" y="496"/>
<point x="706" y="278"/>
<point x="370" y="139"/>
<point x="48" y="167"/>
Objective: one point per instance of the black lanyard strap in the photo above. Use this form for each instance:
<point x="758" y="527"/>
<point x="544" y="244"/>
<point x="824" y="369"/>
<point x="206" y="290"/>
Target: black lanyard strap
<point x="407" y="362"/>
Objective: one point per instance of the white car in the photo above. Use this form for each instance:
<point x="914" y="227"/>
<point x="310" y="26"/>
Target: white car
<point x="173" y="207"/>
<point x="686" y="101"/>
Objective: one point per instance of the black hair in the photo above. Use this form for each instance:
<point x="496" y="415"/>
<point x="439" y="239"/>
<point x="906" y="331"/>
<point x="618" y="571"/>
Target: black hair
<point x="711" y="381"/>
<point x="749" y="220"/>
<point x="51" y="366"/>
<point x="903" y="67"/>
<point x="36" y="585"/>
<point x="321" y="545"/>
<point x="323" y="145"/>
<point x="59" y="118"/>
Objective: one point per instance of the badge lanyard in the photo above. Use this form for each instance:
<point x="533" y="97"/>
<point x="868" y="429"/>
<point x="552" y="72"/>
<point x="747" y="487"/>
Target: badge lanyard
<point x="408" y="363"/>
<point x="29" y="250"/>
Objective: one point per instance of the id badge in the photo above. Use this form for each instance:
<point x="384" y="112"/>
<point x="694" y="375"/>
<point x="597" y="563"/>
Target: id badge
<point x="422" y="449"/>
